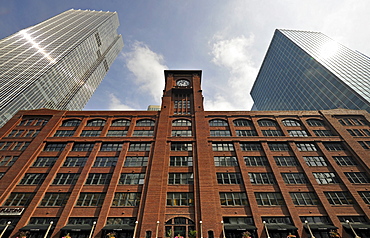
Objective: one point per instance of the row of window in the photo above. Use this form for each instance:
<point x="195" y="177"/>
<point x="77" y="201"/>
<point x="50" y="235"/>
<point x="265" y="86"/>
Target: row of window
<point x="104" y="147"/>
<point x="292" y="133"/>
<point x="266" y="122"/>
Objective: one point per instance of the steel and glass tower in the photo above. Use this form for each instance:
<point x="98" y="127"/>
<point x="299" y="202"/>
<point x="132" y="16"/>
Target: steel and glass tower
<point x="57" y="63"/>
<point x="309" y="71"/>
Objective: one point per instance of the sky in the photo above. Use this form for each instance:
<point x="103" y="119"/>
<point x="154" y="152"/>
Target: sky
<point x="226" y="39"/>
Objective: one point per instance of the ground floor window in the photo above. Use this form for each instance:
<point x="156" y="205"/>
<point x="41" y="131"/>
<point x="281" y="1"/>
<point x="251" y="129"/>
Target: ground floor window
<point x="179" y="226"/>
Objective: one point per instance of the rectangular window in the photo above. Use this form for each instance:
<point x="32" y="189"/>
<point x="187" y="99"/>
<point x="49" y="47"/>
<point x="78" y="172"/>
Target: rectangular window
<point x="315" y="161"/>
<point x="15" y="133"/>
<point x="345" y="160"/>
<point x="90" y="199"/>
<point x="297" y="133"/>
<point x="64" y="133"/>
<point x="20" y="146"/>
<point x="365" y="195"/>
<point x="143" y="133"/>
<point x="65" y="179"/>
<point x="294" y="178"/>
<point x="105" y="161"/>
<point x="5" y="145"/>
<point x="269" y="199"/>
<point x="18" y="199"/>
<point x="250" y="146"/>
<point x="246" y="133"/>
<point x="262" y="178"/>
<point x="54" y="146"/>
<point x="98" y="179"/>
<point x="139" y="147"/>
<point x="181" y="161"/>
<point x="180" y="178"/>
<point x="306" y="147"/>
<point x="233" y="199"/>
<point x="225" y="161"/>
<point x="181" y="133"/>
<point x="23" y="133"/>
<point x="365" y="144"/>
<point x="256" y="161"/>
<point x="356" y="132"/>
<point x="326" y="178"/>
<point x="132" y="178"/>
<point x="113" y="133"/>
<point x="333" y="146"/>
<point x="136" y="161"/>
<point x="54" y="199"/>
<point x="45" y="161"/>
<point x="82" y="221"/>
<point x="32" y="179"/>
<point x="75" y="162"/>
<point x="272" y="133"/>
<point x="229" y="178"/>
<point x="323" y="133"/>
<point x="7" y="160"/>
<point x="111" y="147"/>
<point x="90" y="133"/>
<point x="43" y="220"/>
<point x="279" y="147"/>
<point x="339" y="198"/>
<point x="32" y="133"/>
<point x="180" y="199"/>
<point x="357" y="177"/>
<point x="83" y="146"/>
<point x="181" y="146"/>
<point x="126" y="200"/>
<point x="286" y="160"/>
<point x="304" y="199"/>
<point x="220" y="133"/>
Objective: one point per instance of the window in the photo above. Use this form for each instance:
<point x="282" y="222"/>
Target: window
<point x="267" y="123"/>
<point x="181" y="133"/>
<point x="333" y="146"/>
<point x="31" y="133"/>
<point x="111" y="146"/>
<point x="297" y="133"/>
<point x="113" y="133"/>
<point x="272" y="133"/>
<point x="323" y="133"/>
<point x="181" y="122"/>
<point x="314" y="219"/>
<point x="357" y="132"/>
<point x="32" y="179"/>
<point x="218" y="123"/>
<point x="304" y="199"/>
<point x="7" y="160"/>
<point x="365" y="144"/>
<point x="345" y="160"/>
<point x="306" y="147"/>
<point x="98" y="179"/>
<point x="354" y="219"/>
<point x="142" y="133"/>
<point x="365" y="195"/>
<point x="180" y="199"/>
<point x="96" y="122"/>
<point x="180" y="178"/>
<point x="250" y="146"/>
<point x="43" y="220"/>
<point x="181" y="161"/>
<point x="82" y="221"/>
<point x="285" y="160"/>
<point x="54" y="146"/>
<point x="294" y="178"/>
<point x="315" y="122"/>
<point x="136" y="161"/>
<point x="262" y="178"/>
<point x="33" y="122"/>
<point x="83" y="147"/>
<point x="357" y="177"/>
<point x="19" y="199"/>
<point x="269" y="199"/>
<point x="105" y="161"/>
<point x="64" y="133"/>
<point x="139" y="147"/>
<point x="45" y="161"/>
<point x="54" y="199"/>
<point x="277" y="220"/>
<point x="352" y="122"/>
<point x="90" y="133"/>
<point x="145" y="123"/>
<point x="121" y="122"/>
<point x="121" y="220"/>
<point x="326" y="178"/>
<point x="279" y="146"/>
<point x="315" y="161"/>
<point x="181" y="146"/>
<point x="242" y="122"/>
<point x="65" y="179"/>
<point x="233" y="199"/>
<point x="229" y="178"/>
<point x="73" y="122"/>
<point x="246" y="133"/>
<point x="256" y="161"/>
<point x="90" y="200"/>
<point x="126" y="200"/>
<point x="131" y="178"/>
<point x="15" y="133"/>
<point x="291" y="122"/>
<point x="220" y="133"/>
<point x="19" y="146"/>
<point x="339" y="198"/>
<point x="75" y="162"/>
<point x="225" y="161"/>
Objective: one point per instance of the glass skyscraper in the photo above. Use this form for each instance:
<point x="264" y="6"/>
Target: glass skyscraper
<point x="309" y="71"/>
<point x="57" y="63"/>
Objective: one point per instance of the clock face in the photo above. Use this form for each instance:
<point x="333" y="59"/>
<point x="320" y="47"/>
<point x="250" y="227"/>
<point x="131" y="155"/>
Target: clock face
<point x="182" y="83"/>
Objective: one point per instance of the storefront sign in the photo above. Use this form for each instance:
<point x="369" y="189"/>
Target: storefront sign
<point x="11" y="211"/>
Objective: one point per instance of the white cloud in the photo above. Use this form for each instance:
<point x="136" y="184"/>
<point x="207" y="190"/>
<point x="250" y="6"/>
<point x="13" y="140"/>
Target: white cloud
<point x="116" y="104"/>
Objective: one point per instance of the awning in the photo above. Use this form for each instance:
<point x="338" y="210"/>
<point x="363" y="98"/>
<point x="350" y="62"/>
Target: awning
<point x="358" y="226"/>
<point x="35" y="227"/>
<point x="240" y="227"/>
<point x="83" y="227"/>
<point x="280" y="227"/>
<point x="321" y="227"/>
<point x="123" y="227"/>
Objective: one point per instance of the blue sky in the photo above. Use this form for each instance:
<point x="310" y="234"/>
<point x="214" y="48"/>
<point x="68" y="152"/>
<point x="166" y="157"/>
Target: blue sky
<point x="226" y="39"/>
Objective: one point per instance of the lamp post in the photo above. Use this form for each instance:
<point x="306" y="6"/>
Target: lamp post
<point x="353" y="230"/>
<point x="267" y="231"/>
<point x="309" y="229"/>
<point x="135" y="229"/>
<point x="92" y="229"/>
<point x="47" y="231"/>
<point x="201" y="229"/>
<point x="156" y="230"/>
<point x="6" y="227"/>
<point x="223" y="229"/>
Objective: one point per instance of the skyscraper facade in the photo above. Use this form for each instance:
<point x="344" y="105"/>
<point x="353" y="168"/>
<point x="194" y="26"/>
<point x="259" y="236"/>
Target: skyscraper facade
<point x="57" y="63"/>
<point x="309" y="71"/>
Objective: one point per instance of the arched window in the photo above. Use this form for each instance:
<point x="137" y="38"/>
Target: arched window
<point x="218" y="122"/>
<point x="315" y="122"/>
<point x="179" y="226"/>
<point x="266" y="122"/>
<point x="181" y="122"/>
<point x="73" y="122"/>
<point x="96" y="122"/>
<point x="121" y="122"/>
<point x="291" y="122"/>
<point x="145" y="122"/>
<point x="242" y="122"/>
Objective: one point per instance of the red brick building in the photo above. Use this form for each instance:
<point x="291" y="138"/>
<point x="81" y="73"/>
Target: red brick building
<point x="183" y="169"/>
